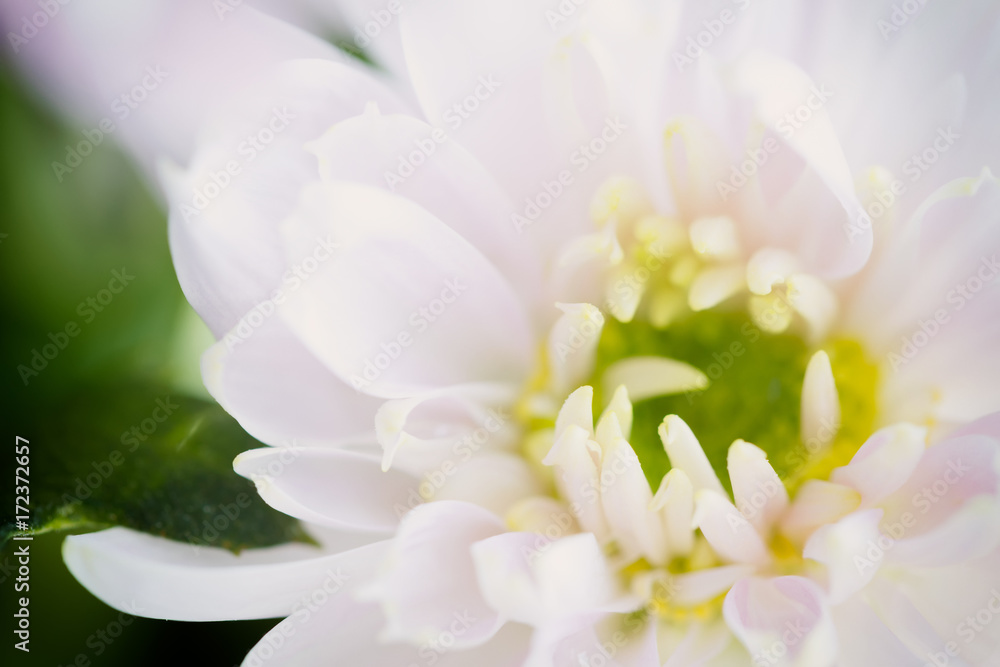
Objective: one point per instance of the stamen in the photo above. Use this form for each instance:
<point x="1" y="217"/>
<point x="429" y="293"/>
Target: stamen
<point x="820" y="404"/>
<point x="715" y="238"/>
<point x="648" y="377"/>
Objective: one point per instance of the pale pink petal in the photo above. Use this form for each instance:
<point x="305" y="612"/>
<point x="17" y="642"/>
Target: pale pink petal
<point x="949" y="509"/>
<point x="429" y="576"/>
<point x="853" y="550"/>
<point x="884" y="463"/>
<point x="91" y="54"/>
<point x="784" y="621"/>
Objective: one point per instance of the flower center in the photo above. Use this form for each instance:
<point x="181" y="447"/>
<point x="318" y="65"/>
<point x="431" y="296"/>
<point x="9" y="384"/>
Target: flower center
<point x="695" y="402"/>
<point x="754" y="391"/>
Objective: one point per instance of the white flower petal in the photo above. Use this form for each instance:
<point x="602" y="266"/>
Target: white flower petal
<point x="626" y="498"/>
<point x="158" y="578"/>
<point x="576" y="459"/>
<point x="577" y="410"/>
<point x="865" y="641"/>
<point x="454" y="413"/>
<point x="280" y="393"/>
<point x="612" y="640"/>
<point x="422" y="163"/>
<point x="947" y="597"/>
<point x="759" y="493"/>
<point x="685" y="452"/>
<point x="331" y="487"/>
<point x="534" y="88"/>
<point x="492" y="480"/>
<point x="779" y="86"/>
<point x="228" y="250"/>
<point x="544" y="515"/>
<point x="731" y="536"/>
<point x="309" y="637"/>
<point x="675" y="501"/>
<point x="912" y="628"/>
<point x="701" y="644"/>
<point x="429" y="576"/>
<point x="445" y="315"/>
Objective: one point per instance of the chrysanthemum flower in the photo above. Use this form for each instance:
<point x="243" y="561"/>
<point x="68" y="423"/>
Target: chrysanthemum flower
<point x="755" y="240"/>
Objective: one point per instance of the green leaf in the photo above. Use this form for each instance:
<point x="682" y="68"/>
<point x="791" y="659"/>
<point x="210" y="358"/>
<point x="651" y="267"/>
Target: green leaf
<point x="147" y="459"/>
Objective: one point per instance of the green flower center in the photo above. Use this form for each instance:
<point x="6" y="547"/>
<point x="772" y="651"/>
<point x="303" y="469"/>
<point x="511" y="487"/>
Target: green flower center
<point x="754" y="392"/>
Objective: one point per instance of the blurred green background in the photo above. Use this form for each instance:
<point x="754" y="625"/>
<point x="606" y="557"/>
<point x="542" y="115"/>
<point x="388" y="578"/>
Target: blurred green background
<point x="59" y="243"/>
